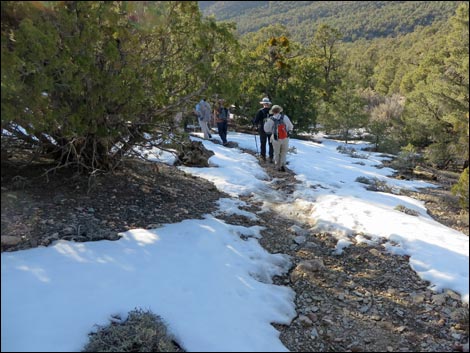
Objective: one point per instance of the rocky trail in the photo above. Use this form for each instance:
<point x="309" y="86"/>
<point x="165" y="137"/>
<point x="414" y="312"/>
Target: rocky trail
<point x="362" y="300"/>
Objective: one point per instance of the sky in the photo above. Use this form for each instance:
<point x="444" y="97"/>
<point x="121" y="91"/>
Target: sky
<point x="211" y="282"/>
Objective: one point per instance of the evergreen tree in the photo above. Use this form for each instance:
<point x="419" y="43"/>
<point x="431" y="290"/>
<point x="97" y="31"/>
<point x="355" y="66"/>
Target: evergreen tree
<point x="325" y="51"/>
<point x="437" y="106"/>
<point x="345" y="111"/>
<point x="86" y="80"/>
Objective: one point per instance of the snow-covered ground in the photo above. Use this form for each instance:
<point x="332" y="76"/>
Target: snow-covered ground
<point x="212" y="288"/>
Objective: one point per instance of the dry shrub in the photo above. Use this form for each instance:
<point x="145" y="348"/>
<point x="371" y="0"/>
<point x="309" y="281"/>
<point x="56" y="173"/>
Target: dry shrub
<point x="406" y="210"/>
<point x="142" y="331"/>
<point x="375" y="184"/>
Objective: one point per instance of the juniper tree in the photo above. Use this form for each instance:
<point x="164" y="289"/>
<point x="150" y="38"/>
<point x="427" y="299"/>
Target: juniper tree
<point x="87" y="79"/>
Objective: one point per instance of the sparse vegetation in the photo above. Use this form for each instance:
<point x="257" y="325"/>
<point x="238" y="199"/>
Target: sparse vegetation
<point x="407" y="159"/>
<point x="406" y="210"/>
<point x="142" y="331"/>
<point x="461" y="189"/>
<point x="351" y="152"/>
<point x="374" y="184"/>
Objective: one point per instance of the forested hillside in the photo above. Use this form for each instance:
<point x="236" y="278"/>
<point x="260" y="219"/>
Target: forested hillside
<point x="354" y="19"/>
<point x="414" y="85"/>
<point x="99" y="141"/>
<point x="83" y="82"/>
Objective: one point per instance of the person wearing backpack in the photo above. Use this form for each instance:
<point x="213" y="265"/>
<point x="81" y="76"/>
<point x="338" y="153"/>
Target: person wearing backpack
<point x="279" y="125"/>
<point x="261" y="117"/>
<point x="203" y="112"/>
<point x="221" y="114"/>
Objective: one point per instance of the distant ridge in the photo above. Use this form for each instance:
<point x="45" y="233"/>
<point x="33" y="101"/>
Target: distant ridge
<point x="355" y="19"/>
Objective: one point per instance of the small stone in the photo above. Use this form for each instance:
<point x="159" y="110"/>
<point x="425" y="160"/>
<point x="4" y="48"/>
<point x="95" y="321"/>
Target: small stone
<point x="9" y="240"/>
<point x="305" y="321"/>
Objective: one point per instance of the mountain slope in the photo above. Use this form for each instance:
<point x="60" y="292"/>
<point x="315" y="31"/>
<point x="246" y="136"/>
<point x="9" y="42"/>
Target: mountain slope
<point x="355" y="19"/>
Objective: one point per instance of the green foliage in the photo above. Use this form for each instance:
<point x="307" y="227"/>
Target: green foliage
<point x="439" y="99"/>
<point x="385" y="117"/>
<point x="461" y="189"/>
<point x="294" y="77"/>
<point x="428" y="70"/>
<point x="95" y="76"/>
<point x="355" y="19"/>
<point x="142" y="331"/>
<point x="325" y="53"/>
<point x="408" y="158"/>
<point x="303" y="94"/>
<point x="344" y="112"/>
<point x="389" y="144"/>
<point x="270" y="64"/>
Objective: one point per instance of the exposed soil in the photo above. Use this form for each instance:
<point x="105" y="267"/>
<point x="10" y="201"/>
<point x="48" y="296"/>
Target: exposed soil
<point x="36" y="212"/>
<point x="442" y="205"/>
<point x="363" y="300"/>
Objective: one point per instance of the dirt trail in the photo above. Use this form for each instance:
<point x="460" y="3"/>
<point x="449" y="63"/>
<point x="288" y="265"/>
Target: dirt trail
<point x="363" y="300"/>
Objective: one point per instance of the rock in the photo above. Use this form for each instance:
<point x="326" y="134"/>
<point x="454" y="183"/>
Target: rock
<point x="9" y="240"/>
<point x="310" y="245"/>
<point x="439" y="299"/>
<point x="417" y="298"/>
<point x="295" y="229"/>
<point x="356" y="348"/>
<point x="375" y="252"/>
<point x="305" y="321"/>
<point x="231" y="144"/>
<point x="300" y="239"/>
<point x="314" y="333"/>
<point x="400" y="329"/>
<point x="307" y="269"/>
<point x="195" y="154"/>
<point x="425" y="174"/>
<point x="453" y="295"/>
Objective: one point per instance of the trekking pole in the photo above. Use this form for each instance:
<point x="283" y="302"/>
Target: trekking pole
<point x="256" y="143"/>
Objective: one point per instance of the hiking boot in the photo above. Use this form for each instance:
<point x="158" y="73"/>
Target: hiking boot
<point x="271" y="160"/>
<point x="263" y="158"/>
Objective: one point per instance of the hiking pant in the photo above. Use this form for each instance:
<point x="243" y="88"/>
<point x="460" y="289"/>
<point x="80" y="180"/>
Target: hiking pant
<point x="222" y="127"/>
<point x="263" y="139"/>
<point x="205" y="128"/>
<point x="280" y="151"/>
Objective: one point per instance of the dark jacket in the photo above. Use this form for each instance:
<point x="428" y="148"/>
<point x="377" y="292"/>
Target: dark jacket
<point x="261" y="116"/>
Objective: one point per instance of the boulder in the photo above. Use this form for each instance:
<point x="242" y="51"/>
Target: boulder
<point x="194" y="154"/>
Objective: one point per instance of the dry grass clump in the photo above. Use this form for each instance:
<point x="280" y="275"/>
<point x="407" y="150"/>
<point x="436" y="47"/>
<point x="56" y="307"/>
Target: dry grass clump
<point x="374" y="184"/>
<point x="142" y="331"/>
<point x="406" y="210"/>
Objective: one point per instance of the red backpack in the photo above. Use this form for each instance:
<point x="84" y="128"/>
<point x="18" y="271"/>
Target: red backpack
<point x="280" y="130"/>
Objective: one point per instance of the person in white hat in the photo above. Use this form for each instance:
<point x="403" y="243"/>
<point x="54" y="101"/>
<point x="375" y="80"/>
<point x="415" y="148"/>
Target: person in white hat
<point x="261" y="117"/>
<point x="279" y="125"/>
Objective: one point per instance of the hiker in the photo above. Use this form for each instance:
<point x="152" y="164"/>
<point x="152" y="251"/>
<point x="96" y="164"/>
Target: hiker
<point x="261" y="117"/>
<point x="203" y="112"/>
<point x="221" y="115"/>
<point x="279" y="125"/>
